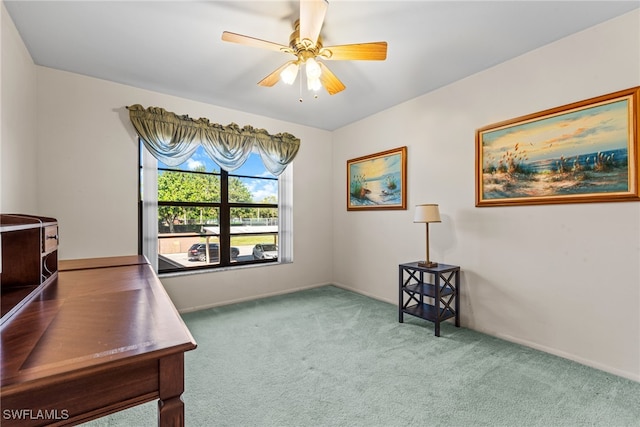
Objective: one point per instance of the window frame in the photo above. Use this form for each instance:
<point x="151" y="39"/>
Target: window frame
<point x="149" y="235"/>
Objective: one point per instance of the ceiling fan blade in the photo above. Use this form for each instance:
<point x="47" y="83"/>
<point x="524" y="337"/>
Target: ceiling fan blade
<point x="252" y="41"/>
<point x="312" y="14"/>
<point x="375" y="51"/>
<point x="329" y="80"/>
<point x="274" y="77"/>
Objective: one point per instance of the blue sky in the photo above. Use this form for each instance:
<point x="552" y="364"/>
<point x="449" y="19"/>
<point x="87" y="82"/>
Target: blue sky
<point x="253" y="166"/>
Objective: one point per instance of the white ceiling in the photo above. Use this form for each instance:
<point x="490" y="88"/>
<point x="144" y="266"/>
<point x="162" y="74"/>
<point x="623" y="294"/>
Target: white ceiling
<point x="174" y="47"/>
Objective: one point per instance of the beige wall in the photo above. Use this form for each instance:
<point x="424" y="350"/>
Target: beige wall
<point x="18" y="174"/>
<point x="557" y="278"/>
<point x="561" y="278"/>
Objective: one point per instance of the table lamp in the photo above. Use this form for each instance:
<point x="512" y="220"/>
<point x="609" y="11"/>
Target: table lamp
<point x="427" y="213"/>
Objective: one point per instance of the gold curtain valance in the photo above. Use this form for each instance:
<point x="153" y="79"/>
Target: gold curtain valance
<point x="172" y="139"/>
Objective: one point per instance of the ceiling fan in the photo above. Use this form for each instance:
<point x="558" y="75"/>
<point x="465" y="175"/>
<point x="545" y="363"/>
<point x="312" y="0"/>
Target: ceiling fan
<point x="305" y="44"/>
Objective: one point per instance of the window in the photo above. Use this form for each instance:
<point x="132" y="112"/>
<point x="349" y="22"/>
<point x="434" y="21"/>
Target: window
<point x="196" y="216"/>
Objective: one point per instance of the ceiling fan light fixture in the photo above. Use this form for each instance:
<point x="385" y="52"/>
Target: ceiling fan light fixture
<point x="313" y="69"/>
<point x="289" y="74"/>
<point x="314" y="84"/>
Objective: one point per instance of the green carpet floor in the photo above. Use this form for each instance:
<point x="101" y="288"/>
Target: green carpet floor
<point x="329" y="357"/>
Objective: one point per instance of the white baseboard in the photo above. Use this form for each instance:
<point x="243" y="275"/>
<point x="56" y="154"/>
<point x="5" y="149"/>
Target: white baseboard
<point x="251" y="298"/>
<point x="592" y="364"/>
<point x="361" y="292"/>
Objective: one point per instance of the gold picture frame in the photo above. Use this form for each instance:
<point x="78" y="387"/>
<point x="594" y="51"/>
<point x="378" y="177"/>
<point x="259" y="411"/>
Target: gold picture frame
<point x="378" y="181"/>
<point x="577" y="153"/>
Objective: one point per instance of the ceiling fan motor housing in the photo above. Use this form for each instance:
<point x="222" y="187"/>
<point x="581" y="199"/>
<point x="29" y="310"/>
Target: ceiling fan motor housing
<point x="303" y="49"/>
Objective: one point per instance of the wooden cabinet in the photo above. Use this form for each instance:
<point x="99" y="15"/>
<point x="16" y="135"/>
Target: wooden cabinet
<point x="29" y="259"/>
<point x="83" y="338"/>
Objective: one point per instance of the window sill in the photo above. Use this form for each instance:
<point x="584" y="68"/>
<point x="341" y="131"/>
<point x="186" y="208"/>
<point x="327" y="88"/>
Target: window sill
<point x="220" y="269"/>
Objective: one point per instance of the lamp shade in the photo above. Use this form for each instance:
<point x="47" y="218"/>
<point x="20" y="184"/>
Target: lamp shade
<point x="427" y="213"/>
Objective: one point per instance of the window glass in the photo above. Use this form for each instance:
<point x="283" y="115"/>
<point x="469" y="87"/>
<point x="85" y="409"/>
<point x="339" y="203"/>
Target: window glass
<point x="257" y="189"/>
<point x="208" y="218"/>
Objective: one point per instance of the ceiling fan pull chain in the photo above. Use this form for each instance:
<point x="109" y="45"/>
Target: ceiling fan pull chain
<point x="300" y="88"/>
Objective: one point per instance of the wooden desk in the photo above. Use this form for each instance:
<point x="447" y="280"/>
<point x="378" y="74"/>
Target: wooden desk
<point x="104" y="336"/>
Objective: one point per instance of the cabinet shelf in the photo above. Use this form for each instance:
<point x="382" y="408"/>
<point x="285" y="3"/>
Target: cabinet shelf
<point x="429" y="312"/>
<point x="428" y="289"/>
<point x="29" y="248"/>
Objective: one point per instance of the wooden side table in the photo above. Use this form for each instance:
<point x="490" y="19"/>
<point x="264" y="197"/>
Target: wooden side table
<point x="430" y="293"/>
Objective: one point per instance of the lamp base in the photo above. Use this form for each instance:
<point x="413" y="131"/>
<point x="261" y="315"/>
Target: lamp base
<point x="427" y="264"/>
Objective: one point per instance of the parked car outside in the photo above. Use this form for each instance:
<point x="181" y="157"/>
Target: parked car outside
<point x="265" y="251"/>
<point x="197" y="252"/>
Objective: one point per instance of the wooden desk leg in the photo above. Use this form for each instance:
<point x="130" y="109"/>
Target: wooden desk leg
<point x="170" y="405"/>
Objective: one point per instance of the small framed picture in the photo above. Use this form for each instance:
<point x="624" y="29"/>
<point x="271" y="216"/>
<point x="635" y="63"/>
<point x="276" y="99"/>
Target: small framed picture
<point x="378" y="181"/>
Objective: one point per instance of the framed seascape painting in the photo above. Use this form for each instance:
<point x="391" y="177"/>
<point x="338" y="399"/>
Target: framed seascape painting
<point x="378" y="181"/>
<point x="583" y="152"/>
